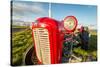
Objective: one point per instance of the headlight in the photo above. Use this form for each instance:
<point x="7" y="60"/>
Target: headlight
<point x="70" y="23"/>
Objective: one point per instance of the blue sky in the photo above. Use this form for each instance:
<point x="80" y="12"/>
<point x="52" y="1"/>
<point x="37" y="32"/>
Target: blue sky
<point x="85" y="14"/>
<point x="29" y="11"/>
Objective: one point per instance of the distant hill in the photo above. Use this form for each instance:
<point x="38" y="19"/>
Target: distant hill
<point x="21" y="23"/>
<point x="93" y="30"/>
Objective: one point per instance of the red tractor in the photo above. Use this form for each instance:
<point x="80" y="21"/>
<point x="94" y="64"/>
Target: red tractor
<point x="49" y="36"/>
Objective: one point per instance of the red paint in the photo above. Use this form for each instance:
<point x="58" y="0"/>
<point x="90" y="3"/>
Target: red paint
<point x="56" y="36"/>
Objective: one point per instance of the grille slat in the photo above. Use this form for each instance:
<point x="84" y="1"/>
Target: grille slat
<point x="41" y="37"/>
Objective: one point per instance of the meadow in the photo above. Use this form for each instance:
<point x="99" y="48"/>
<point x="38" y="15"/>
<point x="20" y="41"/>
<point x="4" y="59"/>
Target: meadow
<point x="20" y="42"/>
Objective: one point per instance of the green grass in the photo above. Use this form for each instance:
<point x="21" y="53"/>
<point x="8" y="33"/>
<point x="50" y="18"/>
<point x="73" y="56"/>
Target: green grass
<point x="92" y="47"/>
<point x="15" y="26"/>
<point x="20" y="42"/>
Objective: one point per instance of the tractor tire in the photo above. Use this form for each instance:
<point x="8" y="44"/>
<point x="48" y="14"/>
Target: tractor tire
<point x="30" y="57"/>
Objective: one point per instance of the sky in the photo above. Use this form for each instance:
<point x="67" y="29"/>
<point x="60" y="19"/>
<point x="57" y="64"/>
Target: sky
<point x="85" y="14"/>
<point x="29" y="11"/>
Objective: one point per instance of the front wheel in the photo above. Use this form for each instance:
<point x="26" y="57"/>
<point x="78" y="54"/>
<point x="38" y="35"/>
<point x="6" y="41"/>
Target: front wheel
<point x="30" y="57"/>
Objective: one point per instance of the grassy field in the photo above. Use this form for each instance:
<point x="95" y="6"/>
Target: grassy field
<point x="15" y="26"/>
<point x="92" y="51"/>
<point x="23" y="39"/>
<point x="20" y="42"/>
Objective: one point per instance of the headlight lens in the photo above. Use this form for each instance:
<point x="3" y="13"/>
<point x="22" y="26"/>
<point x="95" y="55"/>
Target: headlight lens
<point x="70" y="23"/>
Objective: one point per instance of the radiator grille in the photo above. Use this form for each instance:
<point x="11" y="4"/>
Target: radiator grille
<point x="41" y="38"/>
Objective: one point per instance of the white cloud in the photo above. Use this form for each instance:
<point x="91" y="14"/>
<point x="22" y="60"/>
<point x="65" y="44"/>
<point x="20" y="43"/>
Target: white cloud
<point x="24" y="10"/>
